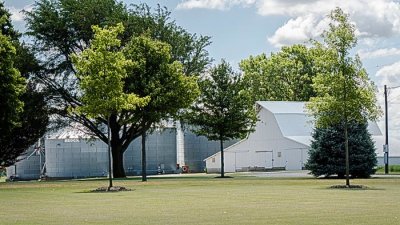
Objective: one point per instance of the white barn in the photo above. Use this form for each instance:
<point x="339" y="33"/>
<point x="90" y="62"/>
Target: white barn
<point x="281" y="140"/>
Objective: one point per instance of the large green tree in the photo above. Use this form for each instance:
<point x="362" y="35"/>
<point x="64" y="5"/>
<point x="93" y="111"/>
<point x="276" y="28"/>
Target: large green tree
<point x="62" y="27"/>
<point x="101" y="69"/>
<point x="327" y="152"/>
<point x="344" y="93"/>
<point x="33" y="119"/>
<point x="154" y="75"/>
<point x="12" y="86"/>
<point x="284" y="76"/>
<point x="224" y="110"/>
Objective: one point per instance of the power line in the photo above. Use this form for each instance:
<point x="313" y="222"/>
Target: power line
<point x="393" y="87"/>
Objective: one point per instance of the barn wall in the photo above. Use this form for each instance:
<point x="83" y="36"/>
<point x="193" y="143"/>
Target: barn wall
<point x="197" y="148"/>
<point x="266" y="148"/>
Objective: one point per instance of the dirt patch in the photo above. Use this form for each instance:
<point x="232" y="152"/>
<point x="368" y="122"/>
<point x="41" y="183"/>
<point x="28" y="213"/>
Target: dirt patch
<point x="353" y="187"/>
<point x="112" y="189"/>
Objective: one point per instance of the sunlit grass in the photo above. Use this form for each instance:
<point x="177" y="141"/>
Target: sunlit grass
<point x="201" y="200"/>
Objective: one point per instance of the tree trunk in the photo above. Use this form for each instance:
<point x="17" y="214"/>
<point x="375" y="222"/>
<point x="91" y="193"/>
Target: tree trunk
<point x="118" y="161"/>
<point x="346" y="146"/>
<point x="144" y="172"/>
<point x="110" y="184"/>
<point x="222" y="158"/>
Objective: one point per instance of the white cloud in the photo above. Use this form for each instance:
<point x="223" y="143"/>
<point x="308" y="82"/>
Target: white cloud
<point x="294" y="8"/>
<point x="298" y="30"/>
<point x="390" y="75"/>
<point x="17" y="15"/>
<point x="214" y="4"/>
<point x="378" y="18"/>
<point x="383" y="52"/>
<point x="370" y="41"/>
<point x="373" y="19"/>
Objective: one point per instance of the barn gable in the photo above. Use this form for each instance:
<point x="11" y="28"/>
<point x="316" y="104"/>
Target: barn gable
<point x="281" y="139"/>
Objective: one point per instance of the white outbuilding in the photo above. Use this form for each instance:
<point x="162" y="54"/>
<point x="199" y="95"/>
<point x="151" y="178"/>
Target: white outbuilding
<point x="281" y="140"/>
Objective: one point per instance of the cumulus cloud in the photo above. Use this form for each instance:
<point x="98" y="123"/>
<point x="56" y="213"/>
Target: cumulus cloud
<point x="390" y="75"/>
<point x="378" y="18"/>
<point x="298" y="30"/>
<point x="383" y="52"/>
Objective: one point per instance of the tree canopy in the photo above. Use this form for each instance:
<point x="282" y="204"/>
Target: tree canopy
<point x="164" y="82"/>
<point x="344" y="93"/>
<point x="343" y="89"/>
<point x="62" y="27"/>
<point x="23" y="112"/>
<point x="101" y="69"/>
<point x="12" y="86"/>
<point x="283" y="76"/>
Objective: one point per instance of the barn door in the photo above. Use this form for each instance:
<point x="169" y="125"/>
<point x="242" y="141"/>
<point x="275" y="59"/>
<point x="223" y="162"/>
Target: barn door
<point x="294" y="159"/>
<point x="269" y="160"/>
<point x="264" y="159"/>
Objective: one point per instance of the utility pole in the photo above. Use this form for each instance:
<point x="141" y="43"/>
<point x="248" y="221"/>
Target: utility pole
<point x="386" y="146"/>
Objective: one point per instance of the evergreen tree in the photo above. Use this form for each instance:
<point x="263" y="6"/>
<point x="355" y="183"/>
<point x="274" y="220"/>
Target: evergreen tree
<point x="327" y="153"/>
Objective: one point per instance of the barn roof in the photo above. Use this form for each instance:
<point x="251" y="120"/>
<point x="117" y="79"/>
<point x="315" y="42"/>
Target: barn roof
<point x="295" y="124"/>
<point x="283" y="106"/>
<point x="293" y="119"/>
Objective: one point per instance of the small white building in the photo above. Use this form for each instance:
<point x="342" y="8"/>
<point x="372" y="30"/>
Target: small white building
<point x="281" y="140"/>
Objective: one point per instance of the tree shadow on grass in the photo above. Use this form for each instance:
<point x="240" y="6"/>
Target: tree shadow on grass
<point x="219" y="177"/>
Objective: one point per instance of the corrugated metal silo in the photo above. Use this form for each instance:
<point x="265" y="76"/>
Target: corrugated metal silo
<point x="28" y="166"/>
<point x="160" y="152"/>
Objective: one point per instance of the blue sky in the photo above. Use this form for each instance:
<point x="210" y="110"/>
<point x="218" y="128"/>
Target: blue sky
<point x="240" y="28"/>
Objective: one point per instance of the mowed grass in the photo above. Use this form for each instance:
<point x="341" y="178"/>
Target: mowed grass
<point x="202" y="200"/>
<point x="393" y="169"/>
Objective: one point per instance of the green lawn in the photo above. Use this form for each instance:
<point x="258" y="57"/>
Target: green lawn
<point x="202" y="200"/>
<point x="393" y="169"/>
